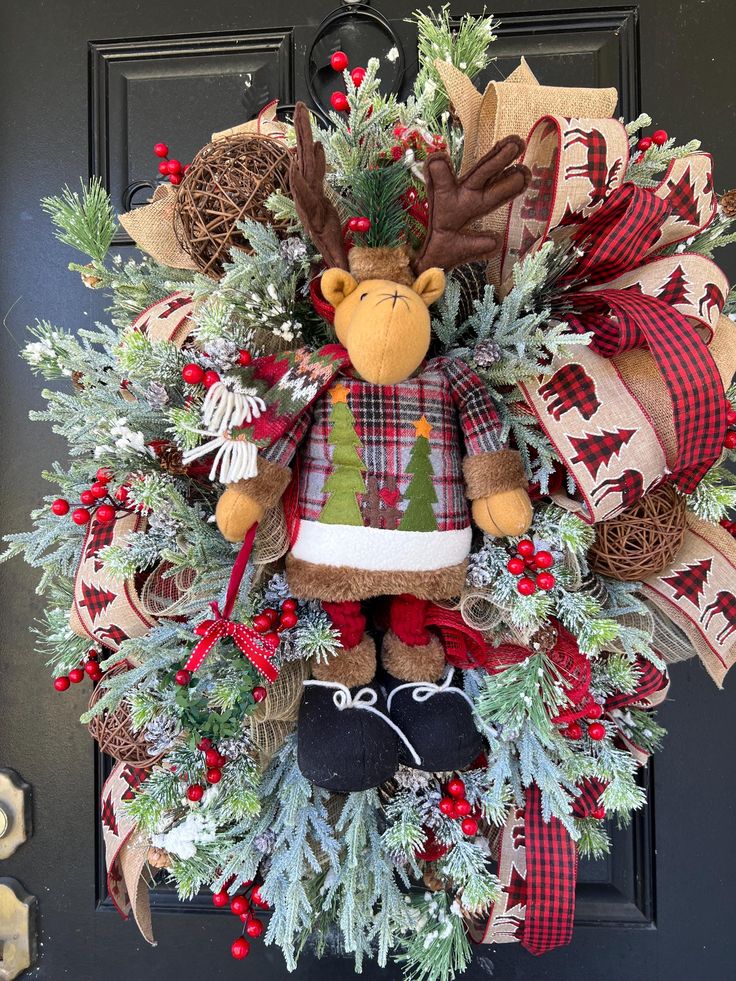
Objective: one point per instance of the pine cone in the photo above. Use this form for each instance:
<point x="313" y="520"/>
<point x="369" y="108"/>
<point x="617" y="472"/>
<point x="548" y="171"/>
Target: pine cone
<point x="728" y="203"/>
<point x="544" y="640"/>
<point x="170" y="460"/>
<point x="89" y="279"/>
<point x="486" y="354"/>
<point x="432" y="881"/>
<point x="159" y="858"/>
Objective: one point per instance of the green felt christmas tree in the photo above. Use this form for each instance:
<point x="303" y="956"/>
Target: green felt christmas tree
<point x="346" y="480"/>
<point x="419" y="514"/>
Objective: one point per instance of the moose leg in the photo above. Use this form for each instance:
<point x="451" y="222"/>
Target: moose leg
<point x="430" y="710"/>
<point x="346" y="742"/>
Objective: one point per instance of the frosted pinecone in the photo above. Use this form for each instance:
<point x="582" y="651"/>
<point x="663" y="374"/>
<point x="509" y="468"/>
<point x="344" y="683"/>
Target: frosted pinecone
<point x="293" y="249"/>
<point x="235" y="747"/>
<point x="265" y="843"/>
<point x="486" y="353"/>
<point x="408" y="778"/>
<point x="161" y="733"/>
<point x="163" y="523"/>
<point x="156" y="395"/>
<point x="277" y="590"/>
<point x="222" y="353"/>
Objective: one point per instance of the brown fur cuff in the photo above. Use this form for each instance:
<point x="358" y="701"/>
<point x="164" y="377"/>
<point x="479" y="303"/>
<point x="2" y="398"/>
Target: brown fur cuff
<point x="493" y="473"/>
<point x="383" y="262"/>
<point x="268" y="485"/>
<point x="337" y="583"/>
<point x="352" y="667"/>
<point x="413" y="662"/>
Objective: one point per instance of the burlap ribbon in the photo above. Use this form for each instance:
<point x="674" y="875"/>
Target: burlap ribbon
<point x="126" y="850"/>
<point x="107" y="609"/>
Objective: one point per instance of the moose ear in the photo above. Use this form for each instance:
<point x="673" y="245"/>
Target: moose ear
<point x="430" y="285"/>
<point x="337" y="285"/>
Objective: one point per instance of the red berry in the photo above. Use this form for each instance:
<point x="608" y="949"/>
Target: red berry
<point x="76" y="675"/>
<point x="98" y="489"/>
<point x="456" y="788"/>
<point x="339" y="101"/>
<point x="240" y="948"/>
<point x="644" y="143"/>
<point x="174" y="166"/>
<point x="397" y="152"/>
<point x="195" y="793"/>
<point x="214" y="774"/>
<point x="660" y="137"/>
<point x="598" y="813"/>
<point x="515" y="566"/>
<point x="545" y="581"/>
<point x="363" y="225"/>
<point x="730" y="441"/>
<point x="193" y="374"/>
<point x="339" y="61"/>
<point x="245" y="917"/>
<point x="103" y="475"/>
<point x="544" y="560"/>
<point x="182" y="677"/>
<point x="163" y="167"/>
<point x="594" y="711"/>
<point x="91" y="667"/>
<point x="469" y="827"/>
<point x="463" y="808"/>
<point x="259" y="693"/>
<point x="204" y="744"/>
<point x="210" y="378"/>
<point x="244" y="358"/>
<point x="257" y="899"/>
<point x="289" y="620"/>
<point x="161" y="150"/>
<point x="261" y="623"/>
<point x="731" y="417"/>
<point x="271" y="614"/>
<point x="221" y="760"/>
<point x="289" y="605"/>
<point x="80" y="516"/>
<point x="357" y="75"/>
<point x="447" y="806"/>
<point x="239" y="904"/>
<point x="254" y="928"/>
<point x="220" y="899"/>
<point x="121" y="494"/>
<point x="272" y="638"/>
<point x="105" y="513"/>
<point x="597" y="731"/>
<point x="96" y="676"/>
<point x="525" y="548"/>
<point x="526" y="586"/>
<point x="62" y="683"/>
<point x="573" y="731"/>
<point x="60" y="506"/>
<point x="174" y="178"/>
<point x="212" y="757"/>
<point x="186" y="167"/>
<point x="353" y="224"/>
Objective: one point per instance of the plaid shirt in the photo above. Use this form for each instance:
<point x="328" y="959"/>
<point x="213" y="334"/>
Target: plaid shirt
<point x="446" y="393"/>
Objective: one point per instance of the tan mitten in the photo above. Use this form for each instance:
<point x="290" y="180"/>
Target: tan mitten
<point x="236" y="512"/>
<point x="507" y="512"/>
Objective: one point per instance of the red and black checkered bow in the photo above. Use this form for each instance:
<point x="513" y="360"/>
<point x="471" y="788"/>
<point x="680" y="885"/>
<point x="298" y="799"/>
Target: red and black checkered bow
<point x="624" y="228"/>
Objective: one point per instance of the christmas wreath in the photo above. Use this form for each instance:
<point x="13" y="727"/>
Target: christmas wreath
<point x="396" y="481"/>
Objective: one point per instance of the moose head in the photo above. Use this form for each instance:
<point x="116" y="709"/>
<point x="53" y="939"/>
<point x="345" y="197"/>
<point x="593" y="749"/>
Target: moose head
<point x="381" y="296"/>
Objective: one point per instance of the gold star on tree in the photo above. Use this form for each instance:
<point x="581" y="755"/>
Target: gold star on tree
<point x="339" y="393"/>
<point x="423" y="427"/>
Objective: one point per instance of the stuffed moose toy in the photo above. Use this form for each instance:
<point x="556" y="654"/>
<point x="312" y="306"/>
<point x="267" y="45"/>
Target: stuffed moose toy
<point x="389" y="457"/>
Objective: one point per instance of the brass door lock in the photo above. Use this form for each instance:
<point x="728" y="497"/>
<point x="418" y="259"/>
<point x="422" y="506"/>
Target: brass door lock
<point x="15" y="812"/>
<point x="17" y="930"/>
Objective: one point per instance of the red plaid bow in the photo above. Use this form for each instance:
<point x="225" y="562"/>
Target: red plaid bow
<point x="251" y="644"/>
<point x="625" y="227"/>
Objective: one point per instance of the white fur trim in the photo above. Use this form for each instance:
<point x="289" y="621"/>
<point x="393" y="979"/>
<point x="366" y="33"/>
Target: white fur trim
<point x="379" y="549"/>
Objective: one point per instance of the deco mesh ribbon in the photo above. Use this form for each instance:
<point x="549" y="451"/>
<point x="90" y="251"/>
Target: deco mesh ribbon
<point x="630" y="297"/>
<point x="251" y="644"/>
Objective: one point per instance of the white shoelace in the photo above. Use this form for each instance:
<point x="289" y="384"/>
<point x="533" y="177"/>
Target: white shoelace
<point x="364" y="699"/>
<point x="423" y="690"/>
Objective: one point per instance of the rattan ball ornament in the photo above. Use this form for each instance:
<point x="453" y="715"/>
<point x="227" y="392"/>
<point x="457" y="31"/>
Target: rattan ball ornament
<point x="113" y="729"/>
<point x="642" y="540"/>
<point x="229" y="179"/>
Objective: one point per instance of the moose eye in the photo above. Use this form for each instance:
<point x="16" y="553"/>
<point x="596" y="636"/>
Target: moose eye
<point x="363" y="296"/>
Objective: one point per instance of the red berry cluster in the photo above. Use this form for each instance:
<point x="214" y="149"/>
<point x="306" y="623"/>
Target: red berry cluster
<point x="174" y="170"/>
<point x="339" y="62"/>
<point x="91" y="668"/>
<point x="359" y="224"/>
<point x="413" y="139"/>
<point x="243" y="906"/>
<point x="658" y="138"/>
<point x="596" y="730"/>
<point x="528" y="562"/>
<point x="729" y="440"/>
<point x="214" y="760"/>
<point x="271" y="622"/>
<point x="457" y="807"/>
<point x="416" y="205"/>
<point x="94" y="499"/>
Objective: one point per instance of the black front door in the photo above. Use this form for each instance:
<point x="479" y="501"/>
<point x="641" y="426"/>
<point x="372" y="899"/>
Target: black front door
<point x="89" y="87"/>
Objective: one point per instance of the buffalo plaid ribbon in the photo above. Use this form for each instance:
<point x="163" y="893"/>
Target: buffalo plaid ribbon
<point x="625" y="227"/>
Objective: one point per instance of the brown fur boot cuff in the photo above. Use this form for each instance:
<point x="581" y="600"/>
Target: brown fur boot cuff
<point x="353" y="667"/>
<point x="418" y="662"/>
<point x="493" y="473"/>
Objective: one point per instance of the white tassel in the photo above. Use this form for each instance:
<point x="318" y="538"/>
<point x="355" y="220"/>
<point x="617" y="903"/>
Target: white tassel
<point x="227" y="404"/>
<point x="235" y="459"/>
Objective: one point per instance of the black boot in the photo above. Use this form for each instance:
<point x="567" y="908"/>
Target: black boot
<point x="344" y="749"/>
<point x="440" y="726"/>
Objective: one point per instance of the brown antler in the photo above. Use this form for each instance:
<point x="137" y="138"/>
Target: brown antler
<point x="454" y="202"/>
<point x="306" y="177"/>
